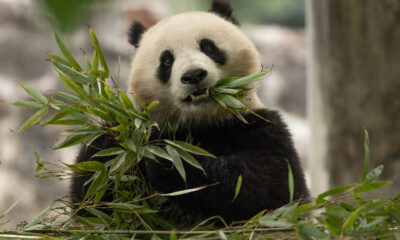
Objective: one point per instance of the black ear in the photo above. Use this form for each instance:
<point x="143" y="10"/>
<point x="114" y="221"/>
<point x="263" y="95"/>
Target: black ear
<point x="135" y="33"/>
<point x="223" y="9"/>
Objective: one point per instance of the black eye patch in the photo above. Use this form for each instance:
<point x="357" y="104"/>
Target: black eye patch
<point x="209" y="48"/>
<point x="165" y="66"/>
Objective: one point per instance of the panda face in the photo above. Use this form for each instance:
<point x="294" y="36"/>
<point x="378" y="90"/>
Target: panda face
<point x="181" y="57"/>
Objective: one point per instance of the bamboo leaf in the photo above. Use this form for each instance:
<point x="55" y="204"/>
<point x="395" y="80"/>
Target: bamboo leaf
<point x="373" y="175"/>
<point x="126" y="101"/>
<point x="290" y="182"/>
<point x="109" y="152"/>
<point x="72" y="140"/>
<point x="189" y="148"/>
<point x="309" y="231"/>
<point x="231" y="101"/>
<point x="72" y="74"/>
<point x="58" y="59"/>
<point x="97" y="48"/>
<point x="91" y="166"/>
<point x="35" y="94"/>
<point x="366" y="157"/>
<point x="118" y="162"/>
<point x="39" y="218"/>
<point x="64" y="112"/>
<point x="186" y="191"/>
<point x="244" y="80"/>
<point x="28" y="104"/>
<point x="99" y="181"/>
<point x="176" y="159"/>
<point x="67" y="54"/>
<point x="158" y="152"/>
<point x="34" y="119"/>
<point x="333" y="191"/>
<point x="350" y="220"/>
<point x="190" y="159"/>
<point x="238" y="186"/>
<point x="67" y="96"/>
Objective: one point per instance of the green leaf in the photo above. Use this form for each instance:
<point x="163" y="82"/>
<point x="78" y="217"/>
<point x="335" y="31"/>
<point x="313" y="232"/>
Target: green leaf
<point x="63" y="113"/>
<point x="124" y="207"/>
<point x="280" y="223"/>
<point x="66" y="122"/>
<point x="126" y="101"/>
<point x="176" y="159"/>
<point x="172" y="236"/>
<point x="91" y="166"/>
<point x="238" y="186"/>
<point x="35" y="94"/>
<point x="109" y="152"/>
<point x="99" y="181"/>
<point x="309" y="231"/>
<point x="28" y="104"/>
<point x="118" y="162"/>
<point x="373" y="175"/>
<point x="190" y="159"/>
<point x="97" y="48"/>
<point x="366" y="157"/>
<point x="34" y="119"/>
<point x="39" y="162"/>
<point x="72" y="140"/>
<point x="67" y="96"/>
<point x="189" y="148"/>
<point x="10" y="208"/>
<point x="58" y="59"/>
<point x="350" y="220"/>
<point x="130" y="160"/>
<point x="103" y="216"/>
<point x="103" y="115"/>
<point x="67" y="54"/>
<point x="290" y="182"/>
<point x="224" y="81"/>
<point x="158" y="152"/>
<point x="231" y="101"/>
<point x="186" y="191"/>
<point x="333" y="191"/>
<point x="39" y="218"/>
<point x="244" y="80"/>
<point x="227" y="90"/>
<point x="116" y="109"/>
<point x="72" y="74"/>
<point x="371" y="187"/>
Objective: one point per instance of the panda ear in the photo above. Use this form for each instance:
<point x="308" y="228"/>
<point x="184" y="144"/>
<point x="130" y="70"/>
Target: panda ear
<point x="223" y="9"/>
<point x="135" y="33"/>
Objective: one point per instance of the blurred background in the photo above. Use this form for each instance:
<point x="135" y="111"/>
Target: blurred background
<point x="351" y="82"/>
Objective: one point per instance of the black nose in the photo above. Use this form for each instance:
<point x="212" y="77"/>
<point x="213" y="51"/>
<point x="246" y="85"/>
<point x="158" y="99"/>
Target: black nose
<point x="194" y="76"/>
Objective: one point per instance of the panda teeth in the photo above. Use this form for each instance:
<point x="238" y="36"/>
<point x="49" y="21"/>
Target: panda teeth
<point x="201" y="93"/>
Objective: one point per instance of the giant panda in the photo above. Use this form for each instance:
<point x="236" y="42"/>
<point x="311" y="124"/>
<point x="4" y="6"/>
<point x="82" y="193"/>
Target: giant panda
<point x="175" y="62"/>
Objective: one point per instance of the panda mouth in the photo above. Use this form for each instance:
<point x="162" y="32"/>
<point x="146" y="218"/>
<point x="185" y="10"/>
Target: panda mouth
<point x="198" y="95"/>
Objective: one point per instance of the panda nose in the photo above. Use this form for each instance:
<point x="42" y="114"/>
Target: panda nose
<point x="194" y="76"/>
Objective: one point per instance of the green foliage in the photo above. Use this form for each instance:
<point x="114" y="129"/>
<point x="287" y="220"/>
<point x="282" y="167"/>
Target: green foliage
<point x="131" y="209"/>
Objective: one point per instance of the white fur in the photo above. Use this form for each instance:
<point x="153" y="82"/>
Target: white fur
<point x="181" y="35"/>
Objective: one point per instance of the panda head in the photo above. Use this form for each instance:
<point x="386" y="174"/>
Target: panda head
<point x="180" y="57"/>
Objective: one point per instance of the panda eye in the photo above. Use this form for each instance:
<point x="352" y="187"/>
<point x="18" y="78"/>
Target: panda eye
<point x="167" y="59"/>
<point x="167" y="62"/>
<point x="207" y="46"/>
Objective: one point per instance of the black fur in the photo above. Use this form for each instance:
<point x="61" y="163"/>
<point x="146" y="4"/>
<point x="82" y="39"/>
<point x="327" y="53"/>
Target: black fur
<point x="259" y="151"/>
<point x="209" y="48"/>
<point x="135" y="33"/>
<point x="165" y="67"/>
<point x="223" y="9"/>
